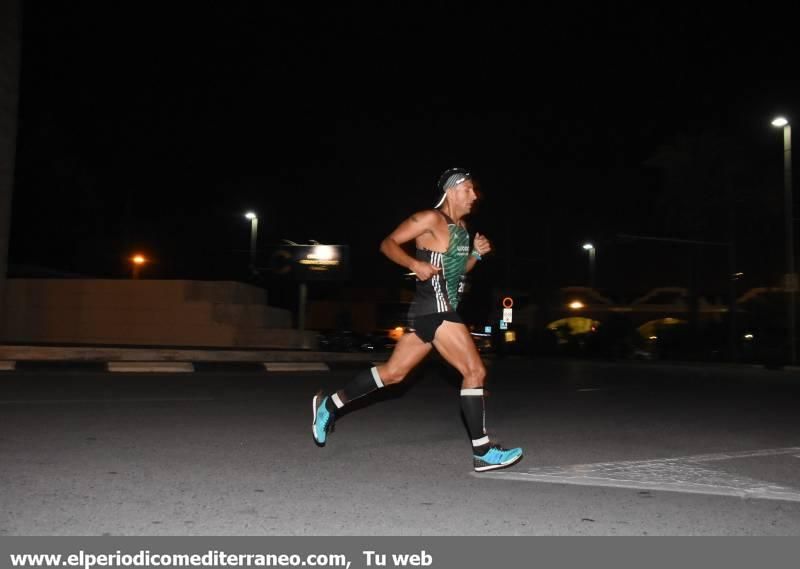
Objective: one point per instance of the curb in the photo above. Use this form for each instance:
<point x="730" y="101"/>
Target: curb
<point x="132" y="354"/>
<point x="54" y="366"/>
<point x="177" y="360"/>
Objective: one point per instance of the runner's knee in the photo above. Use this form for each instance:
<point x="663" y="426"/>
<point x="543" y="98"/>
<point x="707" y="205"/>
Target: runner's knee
<point x="391" y="374"/>
<point x="475" y="376"/>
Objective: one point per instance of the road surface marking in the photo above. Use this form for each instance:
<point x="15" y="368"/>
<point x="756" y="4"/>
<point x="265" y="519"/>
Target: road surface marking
<point x="151" y="367"/>
<point x="296" y="366"/>
<point x="689" y="474"/>
<point x="124" y="400"/>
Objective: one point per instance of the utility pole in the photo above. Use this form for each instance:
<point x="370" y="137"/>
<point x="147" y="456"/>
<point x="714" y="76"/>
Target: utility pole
<point x="10" y="24"/>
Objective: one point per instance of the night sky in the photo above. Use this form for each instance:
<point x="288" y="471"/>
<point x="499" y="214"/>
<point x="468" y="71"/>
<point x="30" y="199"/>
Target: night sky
<point x="154" y="129"/>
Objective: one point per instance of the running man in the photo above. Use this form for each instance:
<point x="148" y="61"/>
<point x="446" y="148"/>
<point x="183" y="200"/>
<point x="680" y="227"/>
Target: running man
<point x="442" y="259"/>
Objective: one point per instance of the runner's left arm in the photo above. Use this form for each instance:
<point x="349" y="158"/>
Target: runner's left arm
<point x="480" y="245"/>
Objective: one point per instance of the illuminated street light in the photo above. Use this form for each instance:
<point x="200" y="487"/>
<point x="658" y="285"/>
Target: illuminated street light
<point x="138" y="262"/>
<point x="782" y="122"/>
<point x="576" y="305"/>
<point x="591" y="248"/>
<point x="324" y="252"/>
<point x="253" y="234"/>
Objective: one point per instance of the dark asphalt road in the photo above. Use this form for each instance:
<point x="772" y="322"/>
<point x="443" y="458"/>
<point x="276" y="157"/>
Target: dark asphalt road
<point x="230" y="453"/>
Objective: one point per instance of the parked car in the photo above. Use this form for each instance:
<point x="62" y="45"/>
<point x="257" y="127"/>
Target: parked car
<point x="350" y="341"/>
<point x="383" y="340"/>
<point x="338" y="341"/>
<point x="483" y="341"/>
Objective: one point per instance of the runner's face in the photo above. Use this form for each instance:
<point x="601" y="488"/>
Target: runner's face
<point x="463" y="196"/>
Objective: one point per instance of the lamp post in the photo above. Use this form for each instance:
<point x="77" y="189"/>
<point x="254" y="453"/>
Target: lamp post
<point x="591" y="248"/>
<point x="789" y="226"/>
<point x="302" y="294"/>
<point x="253" y="235"/>
<point x="138" y="262"/>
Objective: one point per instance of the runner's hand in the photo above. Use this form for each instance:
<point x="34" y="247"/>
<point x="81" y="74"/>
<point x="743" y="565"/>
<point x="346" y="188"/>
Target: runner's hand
<point x="481" y="244"/>
<point x="424" y="270"/>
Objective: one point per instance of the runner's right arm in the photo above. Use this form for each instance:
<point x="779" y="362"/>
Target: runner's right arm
<point x="416" y="226"/>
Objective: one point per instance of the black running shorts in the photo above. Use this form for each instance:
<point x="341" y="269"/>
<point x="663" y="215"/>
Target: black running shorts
<point x="425" y="326"/>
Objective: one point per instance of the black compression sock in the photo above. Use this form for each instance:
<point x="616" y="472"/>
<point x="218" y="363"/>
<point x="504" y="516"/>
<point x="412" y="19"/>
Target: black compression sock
<point x="362" y="384"/>
<point x="475" y="416"/>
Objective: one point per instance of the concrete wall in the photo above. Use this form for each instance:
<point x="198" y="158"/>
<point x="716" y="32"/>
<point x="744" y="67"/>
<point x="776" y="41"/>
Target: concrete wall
<point x="146" y="312"/>
<point x="355" y="315"/>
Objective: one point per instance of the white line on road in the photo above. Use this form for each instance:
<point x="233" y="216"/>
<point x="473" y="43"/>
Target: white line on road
<point x="121" y="400"/>
<point x="151" y="367"/>
<point x="689" y="474"/>
<point x="296" y="366"/>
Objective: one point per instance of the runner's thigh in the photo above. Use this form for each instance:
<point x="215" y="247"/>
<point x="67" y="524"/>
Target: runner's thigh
<point x="408" y="352"/>
<point x="456" y="346"/>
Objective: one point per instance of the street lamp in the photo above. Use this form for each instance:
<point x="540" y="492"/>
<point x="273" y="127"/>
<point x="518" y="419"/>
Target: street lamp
<point x="253" y="233"/>
<point x="591" y="248"/>
<point x="138" y="262"/>
<point x="791" y="279"/>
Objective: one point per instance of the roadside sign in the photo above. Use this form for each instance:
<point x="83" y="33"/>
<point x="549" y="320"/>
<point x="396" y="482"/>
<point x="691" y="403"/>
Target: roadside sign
<point x="507" y="314"/>
<point x="311" y="262"/>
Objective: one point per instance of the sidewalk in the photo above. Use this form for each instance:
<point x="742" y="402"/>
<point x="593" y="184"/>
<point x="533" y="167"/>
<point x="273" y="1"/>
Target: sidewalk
<point x="156" y="359"/>
<point x="174" y="360"/>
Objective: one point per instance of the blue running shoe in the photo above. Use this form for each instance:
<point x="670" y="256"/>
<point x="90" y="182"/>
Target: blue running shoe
<point x="323" y="419"/>
<point x="496" y="457"/>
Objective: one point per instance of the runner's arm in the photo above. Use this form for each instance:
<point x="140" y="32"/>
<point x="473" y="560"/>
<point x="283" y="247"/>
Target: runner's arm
<point x="413" y="227"/>
<point x="480" y="245"/>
